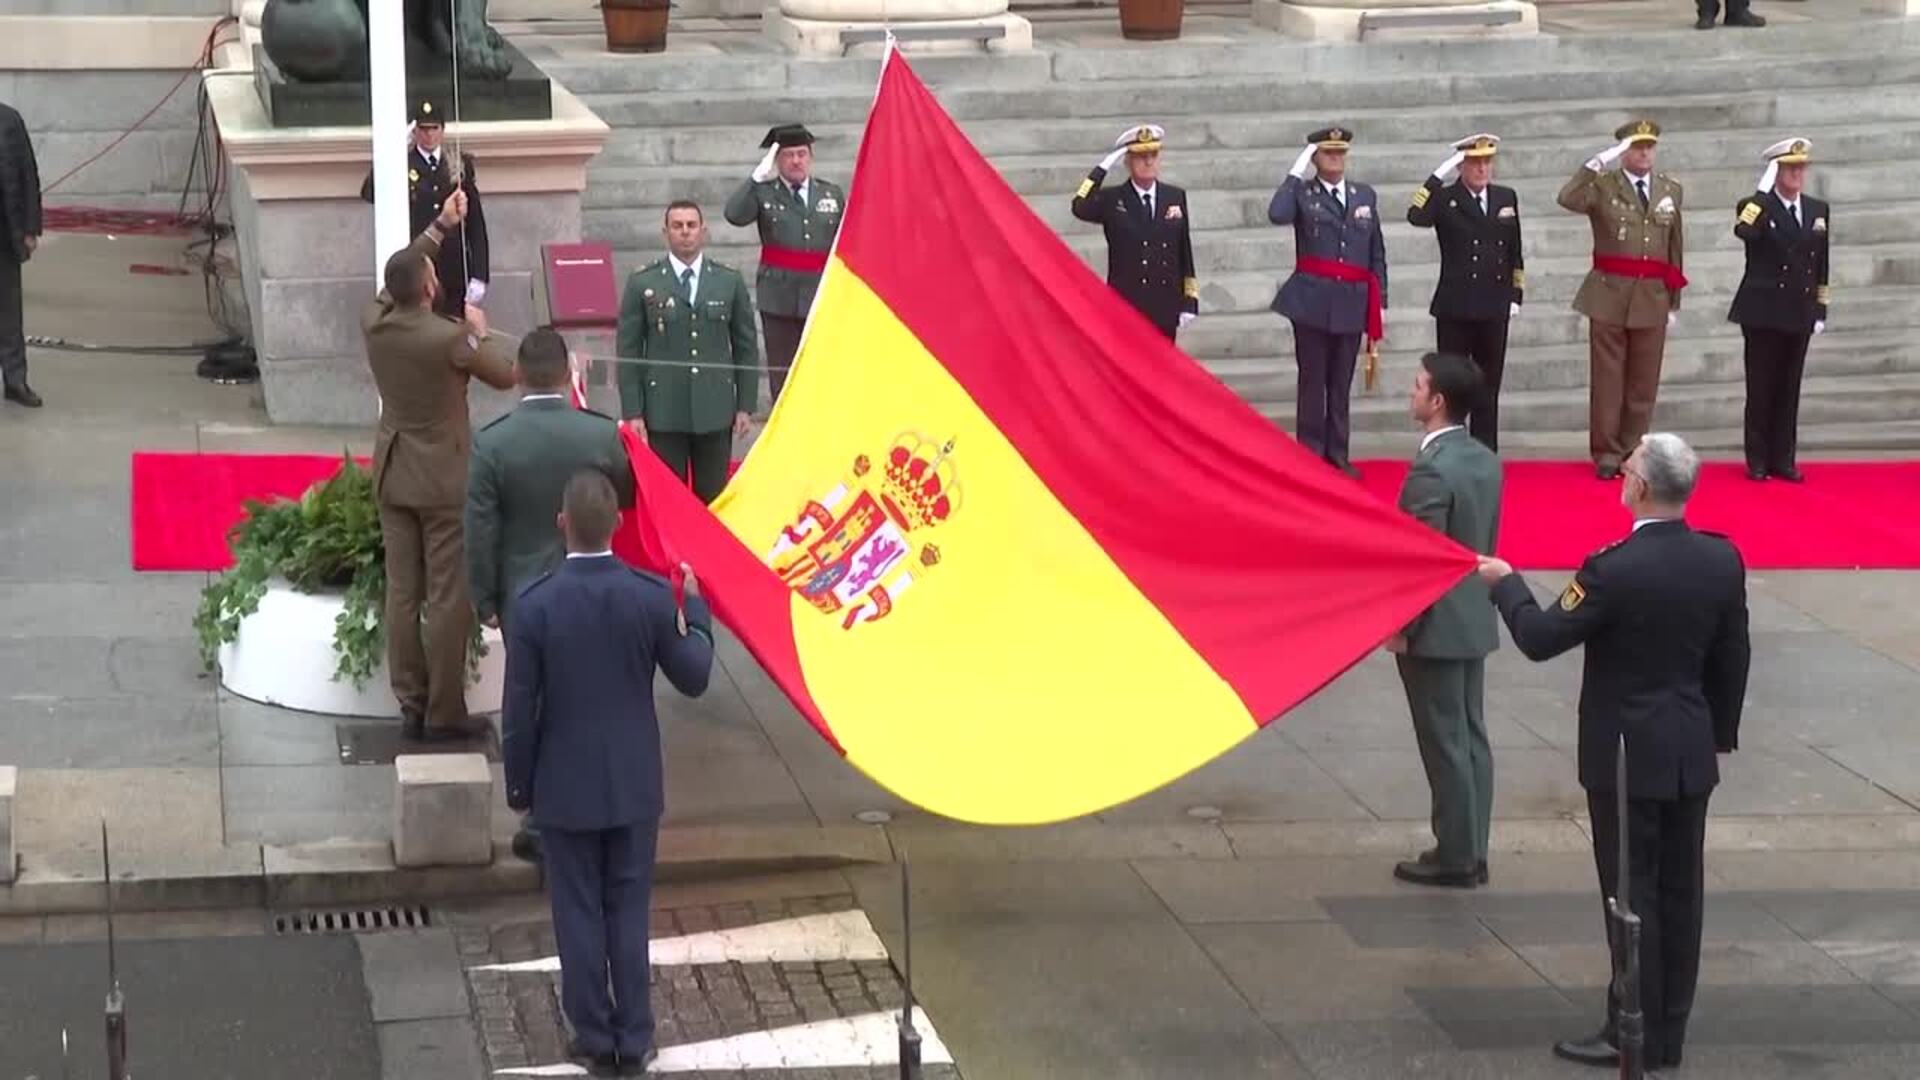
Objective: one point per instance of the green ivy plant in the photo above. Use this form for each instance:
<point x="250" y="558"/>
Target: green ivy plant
<point x="327" y="540"/>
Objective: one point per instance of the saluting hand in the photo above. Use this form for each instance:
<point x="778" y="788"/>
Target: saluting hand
<point x="1450" y="168"/>
<point x="764" y="171"/>
<point x="1107" y="163"/>
<point x="1303" y="165"/>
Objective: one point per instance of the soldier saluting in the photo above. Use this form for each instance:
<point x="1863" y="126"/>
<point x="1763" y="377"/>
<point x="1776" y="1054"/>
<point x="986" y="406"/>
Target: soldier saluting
<point x="1149" y="245"/>
<point x="463" y="263"/>
<point x="1632" y="295"/>
<point x="798" y="215"/>
<point x="1781" y="304"/>
<point x="1482" y="271"/>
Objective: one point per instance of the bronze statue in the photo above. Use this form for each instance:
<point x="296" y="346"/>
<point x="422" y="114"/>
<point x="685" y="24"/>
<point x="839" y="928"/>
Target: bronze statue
<point x="326" y="40"/>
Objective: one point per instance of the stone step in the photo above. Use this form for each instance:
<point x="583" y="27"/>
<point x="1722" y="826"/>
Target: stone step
<point x="1084" y="140"/>
<point x="1843" y="400"/>
<point x="1268" y="381"/>
<point x="711" y="95"/>
<point x="1549" y="234"/>
<point x="1224" y="193"/>
<point x="1261" y="334"/>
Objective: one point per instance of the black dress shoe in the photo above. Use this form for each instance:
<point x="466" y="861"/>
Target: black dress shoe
<point x="526" y="846"/>
<point x="1704" y="22"/>
<point x="1345" y="467"/>
<point x="1597" y="1050"/>
<point x="1437" y="875"/>
<point x="1790" y="474"/>
<point x="1746" y="18"/>
<point x="467" y="732"/>
<point x="1756" y="475"/>
<point x="1607" y="472"/>
<point x="607" y="1064"/>
<point x="413" y="725"/>
<point x="632" y="1066"/>
<point x="1432" y="855"/>
<point x="22" y="394"/>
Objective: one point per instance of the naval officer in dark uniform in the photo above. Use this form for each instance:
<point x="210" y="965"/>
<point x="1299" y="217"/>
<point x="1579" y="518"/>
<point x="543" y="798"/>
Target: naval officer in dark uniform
<point x="1338" y="289"/>
<point x="1781" y="305"/>
<point x="1663" y="614"/>
<point x="464" y="260"/>
<point x="582" y="750"/>
<point x="1482" y="272"/>
<point x="1149" y="245"/>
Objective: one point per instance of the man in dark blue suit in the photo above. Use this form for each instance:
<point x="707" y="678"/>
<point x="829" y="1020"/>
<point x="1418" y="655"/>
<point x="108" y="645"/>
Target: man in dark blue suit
<point x="582" y="749"/>
<point x="1338" y="288"/>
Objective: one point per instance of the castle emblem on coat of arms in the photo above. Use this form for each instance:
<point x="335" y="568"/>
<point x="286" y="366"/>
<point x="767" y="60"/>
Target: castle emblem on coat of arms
<point x="854" y="551"/>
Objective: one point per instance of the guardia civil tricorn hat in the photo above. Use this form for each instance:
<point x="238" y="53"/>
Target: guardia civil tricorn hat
<point x="787" y="135"/>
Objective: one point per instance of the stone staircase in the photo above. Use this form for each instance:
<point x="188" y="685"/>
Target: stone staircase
<point x="1236" y="109"/>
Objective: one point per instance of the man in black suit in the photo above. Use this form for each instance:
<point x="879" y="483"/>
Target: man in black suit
<point x="1781" y="304"/>
<point x="465" y="258"/>
<point x="1149" y="246"/>
<point x="1663" y="614"/>
<point x="582" y="749"/>
<point x="19" y="236"/>
<point x="1482" y="272"/>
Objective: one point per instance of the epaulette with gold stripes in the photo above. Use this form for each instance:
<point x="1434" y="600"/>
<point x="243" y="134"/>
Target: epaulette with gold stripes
<point x="1190" y="288"/>
<point x="1822" y="295"/>
<point x="1750" y="213"/>
<point x="1420" y="197"/>
<point x="1519" y="279"/>
<point x="1086" y="188"/>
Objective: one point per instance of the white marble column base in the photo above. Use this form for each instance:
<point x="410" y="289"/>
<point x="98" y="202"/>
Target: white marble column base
<point x="821" y="37"/>
<point x="1327" y="22"/>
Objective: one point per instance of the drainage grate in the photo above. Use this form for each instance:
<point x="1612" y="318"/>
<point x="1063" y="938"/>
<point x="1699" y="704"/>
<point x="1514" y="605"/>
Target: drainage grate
<point x="355" y="920"/>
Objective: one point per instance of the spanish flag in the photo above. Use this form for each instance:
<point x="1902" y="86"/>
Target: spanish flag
<point x="1014" y="555"/>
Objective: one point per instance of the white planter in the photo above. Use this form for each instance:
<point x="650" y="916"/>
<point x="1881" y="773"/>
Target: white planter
<point x="284" y="656"/>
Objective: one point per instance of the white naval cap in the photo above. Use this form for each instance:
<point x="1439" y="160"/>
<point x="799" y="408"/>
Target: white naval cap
<point x="1794" y="151"/>
<point x="1481" y="145"/>
<point x="1142" y="138"/>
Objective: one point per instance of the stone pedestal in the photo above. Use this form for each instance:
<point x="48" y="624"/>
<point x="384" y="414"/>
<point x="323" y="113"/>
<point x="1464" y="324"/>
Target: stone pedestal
<point x="442" y="810"/>
<point x="9" y="783"/>
<point x="305" y="238"/>
<point x="1339" y="20"/>
<point x="814" y="26"/>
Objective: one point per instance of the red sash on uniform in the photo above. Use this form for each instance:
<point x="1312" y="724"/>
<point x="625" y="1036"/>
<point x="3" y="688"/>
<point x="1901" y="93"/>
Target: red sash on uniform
<point x="1336" y="270"/>
<point x="1635" y="267"/>
<point x="786" y="258"/>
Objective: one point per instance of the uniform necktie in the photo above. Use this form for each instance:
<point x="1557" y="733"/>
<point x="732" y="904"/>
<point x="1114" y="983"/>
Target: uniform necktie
<point x="686" y="285"/>
<point x="1795" y="211"/>
<point x="1338" y="203"/>
<point x="800" y="195"/>
<point x="1146" y="200"/>
<point x="1641" y="185"/>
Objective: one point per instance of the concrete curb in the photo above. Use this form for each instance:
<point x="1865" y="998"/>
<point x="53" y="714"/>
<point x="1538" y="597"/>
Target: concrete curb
<point x="353" y="873"/>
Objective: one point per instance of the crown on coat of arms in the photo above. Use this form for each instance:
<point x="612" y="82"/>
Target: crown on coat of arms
<point x="919" y="483"/>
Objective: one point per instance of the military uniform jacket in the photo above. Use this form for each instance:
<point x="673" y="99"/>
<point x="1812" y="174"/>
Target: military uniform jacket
<point x="1320" y="230"/>
<point x="1149" y="262"/>
<point x="1454" y="488"/>
<point x="704" y="351"/>
<point x="1663" y="615"/>
<point x="1785" y="284"/>
<point x="785" y="223"/>
<point x="428" y="187"/>
<point x="519" y="470"/>
<point x="1482" y="270"/>
<point x="1621" y="227"/>
<point x="421" y="363"/>
<point x="19" y="186"/>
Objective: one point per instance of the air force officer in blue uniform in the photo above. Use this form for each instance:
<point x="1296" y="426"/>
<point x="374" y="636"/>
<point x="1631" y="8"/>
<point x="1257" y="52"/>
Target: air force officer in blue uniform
<point x="582" y="748"/>
<point x="1338" y="288"/>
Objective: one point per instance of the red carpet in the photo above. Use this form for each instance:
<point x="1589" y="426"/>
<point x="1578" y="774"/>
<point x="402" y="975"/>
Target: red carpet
<point x="1848" y="515"/>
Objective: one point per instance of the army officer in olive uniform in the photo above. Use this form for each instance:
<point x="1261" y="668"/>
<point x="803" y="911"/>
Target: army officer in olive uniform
<point x="1632" y="295"/>
<point x="464" y="260"/>
<point x="689" y="357"/>
<point x="1482" y="273"/>
<point x="1149" y="247"/>
<point x="1781" y="304"/>
<point x="798" y="215"/>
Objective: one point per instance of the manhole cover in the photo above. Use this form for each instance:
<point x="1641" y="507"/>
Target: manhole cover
<point x="378" y="742"/>
<point x="355" y="920"/>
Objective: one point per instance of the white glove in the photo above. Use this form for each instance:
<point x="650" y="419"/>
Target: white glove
<point x="1513" y="310"/>
<point x="764" y="171"/>
<point x="1672" y="317"/>
<point x="1600" y="161"/>
<point x="1767" y="178"/>
<point x="476" y="291"/>
<point x="1107" y="163"/>
<point x="1303" y="165"/>
<point x="1187" y="317"/>
<point x="1450" y="168"/>
<point x="1819" y="326"/>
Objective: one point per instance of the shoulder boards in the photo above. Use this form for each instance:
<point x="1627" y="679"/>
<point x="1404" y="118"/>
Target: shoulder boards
<point x="657" y="264"/>
<point x="1610" y="547"/>
<point x="1750" y="212"/>
<point x="535" y="583"/>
